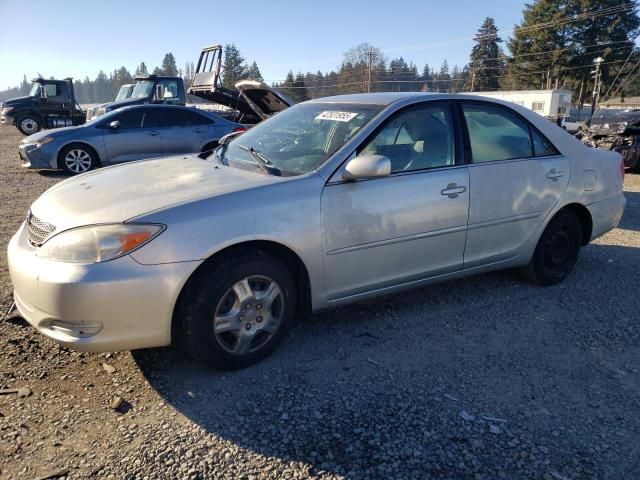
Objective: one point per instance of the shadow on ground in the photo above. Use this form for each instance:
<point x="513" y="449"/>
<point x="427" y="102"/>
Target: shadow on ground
<point x="378" y="388"/>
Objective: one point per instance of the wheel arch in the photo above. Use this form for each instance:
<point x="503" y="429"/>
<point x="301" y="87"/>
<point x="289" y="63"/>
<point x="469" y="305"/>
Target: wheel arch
<point x="80" y="143"/>
<point x="584" y="216"/>
<point x="283" y="253"/>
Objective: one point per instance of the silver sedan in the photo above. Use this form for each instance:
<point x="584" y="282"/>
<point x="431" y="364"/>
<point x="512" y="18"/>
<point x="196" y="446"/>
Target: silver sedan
<point x="130" y="133"/>
<point x="329" y="202"/>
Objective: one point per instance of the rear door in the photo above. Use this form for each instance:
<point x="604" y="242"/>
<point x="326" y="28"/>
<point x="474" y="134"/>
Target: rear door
<point x="136" y="138"/>
<point x="183" y="130"/>
<point x="516" y="178"/>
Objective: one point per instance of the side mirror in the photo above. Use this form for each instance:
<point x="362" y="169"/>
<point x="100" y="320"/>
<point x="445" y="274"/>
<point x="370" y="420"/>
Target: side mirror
<point x="367" y="166"/>
<point x="159" y="93"/>
<point x="114" y="125"/>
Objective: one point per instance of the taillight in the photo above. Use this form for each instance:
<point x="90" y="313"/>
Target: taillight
<point x="239" y="129"/>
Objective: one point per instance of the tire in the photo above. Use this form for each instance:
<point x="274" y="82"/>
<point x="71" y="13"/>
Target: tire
<point x="224" y="318"/>
<point x="28" y="124"/>
<point x="77" y="158"/>
<point x="557" y="251"/>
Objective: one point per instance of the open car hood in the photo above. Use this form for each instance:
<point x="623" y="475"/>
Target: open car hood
<point x="264" y="101"/>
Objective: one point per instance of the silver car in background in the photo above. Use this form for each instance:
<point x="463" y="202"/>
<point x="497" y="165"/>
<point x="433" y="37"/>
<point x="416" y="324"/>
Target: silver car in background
<point x="126" y="134"/>
<point x="328" y="202"/>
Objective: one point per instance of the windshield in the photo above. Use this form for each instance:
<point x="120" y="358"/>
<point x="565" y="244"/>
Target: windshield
<point x="124" y="93"/>
<point x="142" y="89"/>
<point x="297" y="140"/>
<point x="35" y="90"/>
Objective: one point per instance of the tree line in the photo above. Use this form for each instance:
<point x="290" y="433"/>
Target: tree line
<point x="554" y="46"/>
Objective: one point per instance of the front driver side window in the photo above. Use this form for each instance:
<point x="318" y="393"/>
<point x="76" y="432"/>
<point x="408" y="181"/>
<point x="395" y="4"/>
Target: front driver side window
<point x="416" y="139"/>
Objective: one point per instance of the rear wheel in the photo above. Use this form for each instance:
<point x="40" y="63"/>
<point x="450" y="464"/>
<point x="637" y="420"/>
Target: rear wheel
<point x="76" y="159"/>
<point x="236" y="311"/>
<point x="207" y="149"/>
<point x="557" y="251"/>
<point x="28" y="124"/>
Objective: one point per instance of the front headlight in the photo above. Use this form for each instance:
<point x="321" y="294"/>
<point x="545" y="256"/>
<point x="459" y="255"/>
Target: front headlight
<point x="98" y="243"/>
<point x="44" y="141"/>
<point x="7" y="109"/>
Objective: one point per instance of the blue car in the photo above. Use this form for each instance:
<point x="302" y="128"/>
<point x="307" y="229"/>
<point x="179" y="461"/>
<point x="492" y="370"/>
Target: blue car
<point x="124" y="135"/>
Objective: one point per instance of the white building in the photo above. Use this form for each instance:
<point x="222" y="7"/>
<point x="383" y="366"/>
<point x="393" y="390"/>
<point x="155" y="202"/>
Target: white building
<point x="548" y="103"/>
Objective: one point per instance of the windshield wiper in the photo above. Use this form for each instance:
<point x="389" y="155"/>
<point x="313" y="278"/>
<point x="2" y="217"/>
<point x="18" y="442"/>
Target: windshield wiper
<point x="263" y="162"/>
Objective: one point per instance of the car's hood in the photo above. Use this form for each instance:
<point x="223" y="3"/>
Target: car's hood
<point x="614" y="124"/>
<point x="119" y="193"/>
<point x="14" y="102"/>
<point x="53" y="133"/>
<point x="125" y="103"/>
<point x="263" y="100"/>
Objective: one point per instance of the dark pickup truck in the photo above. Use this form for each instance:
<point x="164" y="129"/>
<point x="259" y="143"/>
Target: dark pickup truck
<point x="50" y="104"/>
<point x="147" y="89"/>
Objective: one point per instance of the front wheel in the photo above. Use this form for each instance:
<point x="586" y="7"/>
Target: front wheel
<point x="557" y="251"/>
<point x="77" y="159"/>
<point x="235" y="311"/>
<point x="28" y="124"/>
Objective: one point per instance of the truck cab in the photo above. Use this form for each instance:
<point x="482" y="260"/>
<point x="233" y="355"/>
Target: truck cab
<point x="147" y="89"/>
<point x="49" y="104"/>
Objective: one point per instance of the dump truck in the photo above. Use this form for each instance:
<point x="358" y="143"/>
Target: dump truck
<point x="250" y="100"/>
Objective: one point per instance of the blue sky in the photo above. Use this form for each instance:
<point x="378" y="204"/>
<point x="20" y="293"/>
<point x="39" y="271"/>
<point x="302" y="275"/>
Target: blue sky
<point x="278" y="35"/>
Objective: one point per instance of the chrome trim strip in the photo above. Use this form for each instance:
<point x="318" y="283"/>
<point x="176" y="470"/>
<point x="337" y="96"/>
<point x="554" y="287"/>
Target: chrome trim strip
<point x="501" y="221"/>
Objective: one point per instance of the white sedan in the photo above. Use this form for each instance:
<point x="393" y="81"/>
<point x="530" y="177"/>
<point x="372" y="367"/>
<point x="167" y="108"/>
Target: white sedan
<point x="328" y="202"/>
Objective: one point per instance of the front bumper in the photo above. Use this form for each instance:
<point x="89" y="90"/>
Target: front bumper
<point x="110" y="306"/>
<point x="37" y="158"/>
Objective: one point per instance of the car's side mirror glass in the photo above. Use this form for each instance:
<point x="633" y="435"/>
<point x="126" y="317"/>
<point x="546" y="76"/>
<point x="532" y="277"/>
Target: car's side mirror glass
<point x="367" y="166"/>
<point x="114" y="125"/>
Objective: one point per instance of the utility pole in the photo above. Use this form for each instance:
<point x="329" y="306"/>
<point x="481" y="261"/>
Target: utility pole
<point x="597" y="76"/>
<point x="370" y="54"/>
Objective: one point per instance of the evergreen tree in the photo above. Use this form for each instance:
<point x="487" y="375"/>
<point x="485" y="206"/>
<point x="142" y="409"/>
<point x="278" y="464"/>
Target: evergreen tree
<point x="288" y="84"/>
<point x="301" y="88"/>
<point x="486" y="64"/>
<point x="234" y="67"/>
<point x="253" y="73"/>
<point x="444" y="77"/>
<point x="142" y="69"/>
<point x="169" y="66"/>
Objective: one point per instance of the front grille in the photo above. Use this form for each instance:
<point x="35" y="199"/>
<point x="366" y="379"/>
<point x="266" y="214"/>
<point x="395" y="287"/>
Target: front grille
<point x="38" y="230"/>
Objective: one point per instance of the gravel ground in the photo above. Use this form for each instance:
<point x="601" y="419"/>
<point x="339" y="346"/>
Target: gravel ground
<point x="483" y="378"/>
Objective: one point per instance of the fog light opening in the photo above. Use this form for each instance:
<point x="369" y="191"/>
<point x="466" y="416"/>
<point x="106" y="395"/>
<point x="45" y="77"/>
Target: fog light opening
<point x="78" y="330"/>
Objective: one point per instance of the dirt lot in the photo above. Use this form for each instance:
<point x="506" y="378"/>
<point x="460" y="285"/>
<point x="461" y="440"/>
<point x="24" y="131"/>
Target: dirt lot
<point x="483" y="378"/>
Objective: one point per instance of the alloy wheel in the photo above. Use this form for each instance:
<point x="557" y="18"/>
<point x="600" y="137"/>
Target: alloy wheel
<point x="77" y="160"/>
<point x="248" y="314"/>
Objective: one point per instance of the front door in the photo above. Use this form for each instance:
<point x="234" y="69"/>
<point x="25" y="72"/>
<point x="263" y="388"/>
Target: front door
<point x="136" y="138"/>
<point x="408" y="226"/>
<point x="516" y="177"/>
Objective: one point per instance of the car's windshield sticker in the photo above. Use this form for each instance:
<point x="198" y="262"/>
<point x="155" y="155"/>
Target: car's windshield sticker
<point x="336" y="116"/>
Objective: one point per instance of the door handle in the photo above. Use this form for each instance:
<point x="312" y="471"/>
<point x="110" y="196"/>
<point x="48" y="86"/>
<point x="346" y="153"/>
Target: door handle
<point x="198" y="130"/>
<point x="453" y="190"/>
<point x="555" y="174"/>
<point x="153" y="134"/>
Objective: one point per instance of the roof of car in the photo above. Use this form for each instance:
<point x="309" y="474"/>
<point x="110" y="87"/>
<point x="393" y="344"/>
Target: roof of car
<point x="380" y="98"/>
<point x="387" y="98"/>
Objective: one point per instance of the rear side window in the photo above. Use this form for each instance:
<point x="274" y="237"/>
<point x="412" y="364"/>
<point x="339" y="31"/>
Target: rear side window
<point x="541" y="146"/>
<point x="496" y="134"/>
<point x="179" y="117"/>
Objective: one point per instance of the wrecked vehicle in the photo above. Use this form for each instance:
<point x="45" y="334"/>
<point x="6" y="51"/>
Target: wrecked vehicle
<point x="619" y="132"/>
<point x="252" y="101"/>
